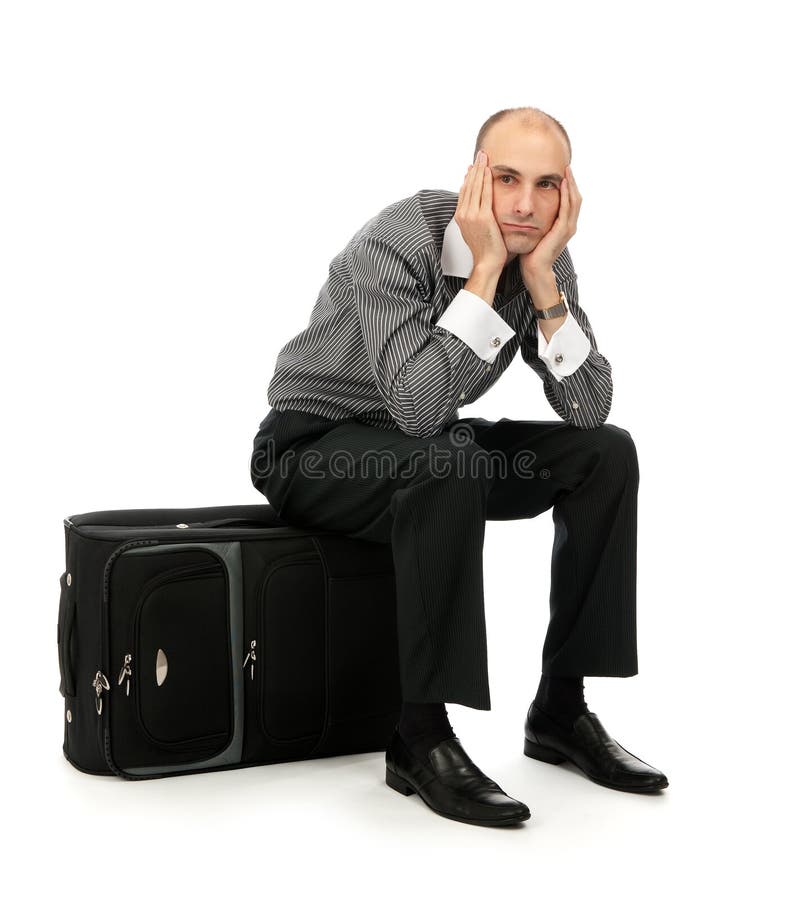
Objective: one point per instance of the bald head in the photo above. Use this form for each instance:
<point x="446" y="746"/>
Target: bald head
<point x="523" y="118"/>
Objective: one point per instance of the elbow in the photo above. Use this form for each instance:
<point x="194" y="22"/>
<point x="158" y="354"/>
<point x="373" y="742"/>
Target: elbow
<point x="423" y="430"/>
<point x="417" y="424"/>
<point x="592" y="415"/>
<point x="416" y="418"/>
<point x="589" y="424"/>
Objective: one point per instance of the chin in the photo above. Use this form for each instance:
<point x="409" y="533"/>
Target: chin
<point x="521" y="243"/>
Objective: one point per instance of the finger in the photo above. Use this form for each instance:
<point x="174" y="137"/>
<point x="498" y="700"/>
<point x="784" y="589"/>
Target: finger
<point x="572" y="213"/>
<point x="464" y="188"/>
<point x="574" y="200"/>
<point x="475" y="195"/>
<point x="465" y="181"/>
<point x="487" y="191"/>
<point x="571" y="179"/>
<point x="576" y="197"/>
<point x="565" y="200"/>
<point x="469" y="189"/>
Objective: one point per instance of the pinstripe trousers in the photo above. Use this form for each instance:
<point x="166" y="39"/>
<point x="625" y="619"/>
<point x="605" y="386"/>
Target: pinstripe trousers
<point x="429" y="497"/>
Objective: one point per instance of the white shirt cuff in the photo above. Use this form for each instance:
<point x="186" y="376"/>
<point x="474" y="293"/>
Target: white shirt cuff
<point x="568" y="348"/>
<point x="477" y="324"/>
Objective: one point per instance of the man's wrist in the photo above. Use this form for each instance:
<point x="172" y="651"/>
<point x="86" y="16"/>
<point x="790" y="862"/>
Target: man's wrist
<point x="539" y="275"/>
<point x="543" y="290"/>
<point x="483" y="281"/>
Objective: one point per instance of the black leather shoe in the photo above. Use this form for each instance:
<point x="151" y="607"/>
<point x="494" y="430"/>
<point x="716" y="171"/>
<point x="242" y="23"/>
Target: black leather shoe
<point x="450" y="784"/>
<point x="590" y="748"/>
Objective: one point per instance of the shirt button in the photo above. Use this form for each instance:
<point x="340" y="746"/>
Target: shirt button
<point x="574" y="404"/>
<point x="462" y="396"/>
<point x="558" y="357"/>
<point x="495" y="341"/>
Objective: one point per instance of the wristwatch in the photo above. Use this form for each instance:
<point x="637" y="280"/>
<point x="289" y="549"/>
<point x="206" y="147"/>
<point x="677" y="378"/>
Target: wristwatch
<point x="553" y="312"/>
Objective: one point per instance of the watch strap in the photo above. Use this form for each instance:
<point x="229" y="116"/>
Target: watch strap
<point x="553" y="312"/>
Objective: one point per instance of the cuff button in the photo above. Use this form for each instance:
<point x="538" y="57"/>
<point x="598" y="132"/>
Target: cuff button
<point x="495" y="341"/>
<point x="558" y="357"/>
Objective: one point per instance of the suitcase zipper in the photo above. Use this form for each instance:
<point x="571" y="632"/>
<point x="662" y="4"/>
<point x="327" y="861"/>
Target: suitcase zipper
<point x="100" y="684"/>
<point x="250" y="655"/>
<point x="126" y="671"/>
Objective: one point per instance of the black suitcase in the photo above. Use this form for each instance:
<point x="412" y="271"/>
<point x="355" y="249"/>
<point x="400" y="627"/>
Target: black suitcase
<point x="192" y="640"/>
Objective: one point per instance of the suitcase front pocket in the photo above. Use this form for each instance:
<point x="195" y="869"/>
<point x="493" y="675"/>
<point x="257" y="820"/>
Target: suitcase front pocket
<point x="181" y="648"/>
<point x="171" y="645"/>
<point x="291" y="652"/>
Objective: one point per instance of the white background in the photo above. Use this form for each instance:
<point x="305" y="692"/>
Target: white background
<point x="175" y="179"/>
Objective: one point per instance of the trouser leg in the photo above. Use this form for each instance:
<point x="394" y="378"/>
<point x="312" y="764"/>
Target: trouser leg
<point x="589" y="478"/>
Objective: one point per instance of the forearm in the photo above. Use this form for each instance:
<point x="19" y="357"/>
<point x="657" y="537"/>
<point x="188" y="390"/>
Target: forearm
<point x="482" y="282"/>
<point x="577" y="377"/>
<point x="544" y="292"/>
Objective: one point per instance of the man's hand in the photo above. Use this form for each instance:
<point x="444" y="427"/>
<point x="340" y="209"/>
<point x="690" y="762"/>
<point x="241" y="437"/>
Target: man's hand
<point x="536" y="265"/>
<point x="474" y="216"/>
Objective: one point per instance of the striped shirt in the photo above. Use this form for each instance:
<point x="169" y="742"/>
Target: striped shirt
<point x="395" y="341"/>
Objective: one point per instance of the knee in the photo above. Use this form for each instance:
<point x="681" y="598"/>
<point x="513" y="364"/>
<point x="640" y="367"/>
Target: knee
<point x="619" y="442"/>
<point x="617" y="433"/>
<point x="260" y="466"/>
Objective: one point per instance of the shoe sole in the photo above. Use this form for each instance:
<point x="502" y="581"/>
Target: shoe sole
<point x="555" y="757"/>
<point x="406" y="789"/>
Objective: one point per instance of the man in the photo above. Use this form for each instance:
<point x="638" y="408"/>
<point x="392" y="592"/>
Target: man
<point x="422" y="312"/>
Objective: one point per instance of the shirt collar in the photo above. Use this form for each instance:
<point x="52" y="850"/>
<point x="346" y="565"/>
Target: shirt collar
<point x="456" y="256"/>
<point x="457" y="259"/>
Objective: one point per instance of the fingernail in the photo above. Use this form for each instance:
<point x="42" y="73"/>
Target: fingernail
<point x="481" y="156"/>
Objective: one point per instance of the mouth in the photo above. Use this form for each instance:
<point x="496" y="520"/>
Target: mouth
<point x="521" y="227"/>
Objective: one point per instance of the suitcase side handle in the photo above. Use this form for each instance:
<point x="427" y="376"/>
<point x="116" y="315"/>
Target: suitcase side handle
<point x="66" y="622"/>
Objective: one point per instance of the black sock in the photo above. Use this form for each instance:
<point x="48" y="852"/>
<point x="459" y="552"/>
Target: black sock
<point x="561" y="697"/>
<point x="423" y="725"/>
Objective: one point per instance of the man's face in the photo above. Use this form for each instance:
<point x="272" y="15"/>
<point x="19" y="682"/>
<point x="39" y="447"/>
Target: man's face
<point x="529" y="194"/>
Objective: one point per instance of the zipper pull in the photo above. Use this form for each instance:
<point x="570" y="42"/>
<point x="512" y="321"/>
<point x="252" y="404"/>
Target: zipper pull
<point x="248" y="657"/>
<point x="100" y="684"/>
<point x="126" y="672"/>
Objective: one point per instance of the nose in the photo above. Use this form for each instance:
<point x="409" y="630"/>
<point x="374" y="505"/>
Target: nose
<point x="524" y="203"/>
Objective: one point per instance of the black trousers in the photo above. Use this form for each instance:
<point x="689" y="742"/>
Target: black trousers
<point x="429" y="497"/>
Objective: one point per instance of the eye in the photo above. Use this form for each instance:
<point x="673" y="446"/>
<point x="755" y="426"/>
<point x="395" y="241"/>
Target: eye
<point x="543" y="181"/>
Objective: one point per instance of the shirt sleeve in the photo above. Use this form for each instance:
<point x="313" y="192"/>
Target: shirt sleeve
<point x="568" y="348"/>
<point x="578" y="389"/>
<point x="421" y="368"/>
<point x="477" y="324"/>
